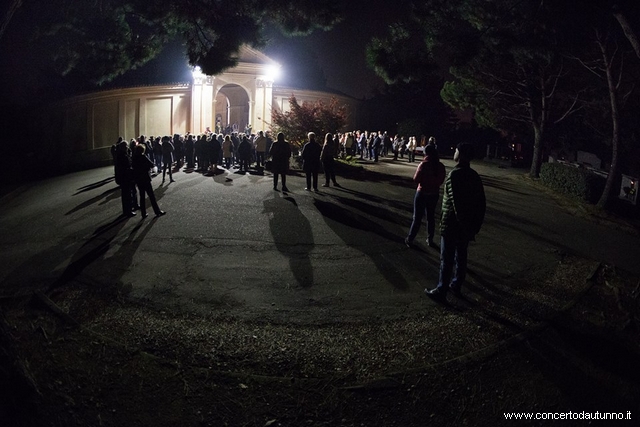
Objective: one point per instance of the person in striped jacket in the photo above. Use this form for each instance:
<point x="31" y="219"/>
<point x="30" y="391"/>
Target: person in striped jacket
<point x="463" y="210"/>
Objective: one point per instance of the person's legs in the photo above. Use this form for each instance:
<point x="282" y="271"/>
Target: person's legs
<point x="143" y="205"/>
<point x="447" y="255"/>
<point x="419" y="206"/>
<point x="314" y="175"/>
<point x="134" y="197"/>
<point x="284" y="182"/>
<point x="154" y="202"/>
<point x="327" y="168"/>
<point x="308" y="177"/>
<point x="431" y="203"/>
<point x="461" y="256"/>
<point x="275" y="181"/>
<point x="169" y="167"/>
<point x="127" y="205"/>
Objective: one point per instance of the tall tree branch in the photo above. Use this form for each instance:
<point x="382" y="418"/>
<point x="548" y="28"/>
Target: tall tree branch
<point x="11" y="10"/>
<point x="628" y="31"/>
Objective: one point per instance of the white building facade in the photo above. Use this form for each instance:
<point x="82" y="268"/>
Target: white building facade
<point x="240" y="97"/>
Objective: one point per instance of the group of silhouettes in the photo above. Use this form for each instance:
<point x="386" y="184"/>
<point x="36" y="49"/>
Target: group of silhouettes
<point x="463" y="204"/>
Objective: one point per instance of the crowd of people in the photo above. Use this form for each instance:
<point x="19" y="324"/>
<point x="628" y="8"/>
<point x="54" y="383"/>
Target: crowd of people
<point x="208" y="151"/>
<point x="463" y="204"/>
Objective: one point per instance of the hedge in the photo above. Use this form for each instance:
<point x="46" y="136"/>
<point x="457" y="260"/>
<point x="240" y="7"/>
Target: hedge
<point x="573" y="181"/>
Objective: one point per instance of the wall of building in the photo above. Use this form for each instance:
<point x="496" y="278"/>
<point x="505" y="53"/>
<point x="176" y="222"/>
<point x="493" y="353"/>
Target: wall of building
<point x="89" y="124"/>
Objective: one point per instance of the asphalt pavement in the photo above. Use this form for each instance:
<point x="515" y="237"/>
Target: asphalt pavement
<point x="230" y="245"/>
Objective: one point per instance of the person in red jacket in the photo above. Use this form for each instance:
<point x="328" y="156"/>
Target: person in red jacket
<point x="429" y="176"/>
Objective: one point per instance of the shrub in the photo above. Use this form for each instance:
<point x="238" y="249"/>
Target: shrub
<point x="573" y="181"/>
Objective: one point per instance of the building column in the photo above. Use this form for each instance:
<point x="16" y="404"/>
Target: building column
<point x="202" y="113"/>
<point x="263" y="104"/>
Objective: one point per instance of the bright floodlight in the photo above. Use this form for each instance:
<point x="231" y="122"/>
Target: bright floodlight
<point x="272" y="72"/>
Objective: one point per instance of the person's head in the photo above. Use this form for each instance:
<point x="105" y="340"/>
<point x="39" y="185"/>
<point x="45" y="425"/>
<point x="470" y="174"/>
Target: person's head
<point x="431" y="152"/>
<point x="328" y="138"/>
<point x="311" y="136"/>
<point x="260" y="133"/>
<point x="280" y="137"/>
<point x="464" y="153"/>
<point x="140" y="148"/>
<point x="432" y="140"/>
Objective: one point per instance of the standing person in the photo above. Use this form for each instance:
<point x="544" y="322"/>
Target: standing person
<point x="311" y="161"/>
<point x="411" y="149"/>
<point x="362" y="143"/>
<point x="178" y="146"/>
<point x="217" y="151"/>
<point x="157" y="152"/>
<point x="387" y="144"/>
<point x="429" y="176"/>
<point x="397" y="146"/>
<point x="370" y="140"/>
<point x="327" y="157"/>
<point x="141" y="174"/>
<point x="280" y="153"/>
<point x="227" y="151"/>
<point x="349" y="142"/>
<point x="167" y="158"/>
<point x="220" y="142"/>
<point x="189" y="150"/>
<point x="114" y="151"/>
<point x="377" y="146"/>
<point x="336" y="145"/>
<point x="244" y="153"/>
<point x="199" y="149"/>
<point x="124" y="178"/>
<point x="236" y="143"/>
<point x="267" y="135"/>
<point x="463" y="209"/>
<point x="261" y="149"/>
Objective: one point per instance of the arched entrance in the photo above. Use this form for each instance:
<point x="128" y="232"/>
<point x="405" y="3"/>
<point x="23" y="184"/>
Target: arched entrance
<point x="231" y="108"/>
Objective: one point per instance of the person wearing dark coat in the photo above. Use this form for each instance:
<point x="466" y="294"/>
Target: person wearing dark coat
<point x="377" y="146"/>
<point x="178" y="145"/>
<point x="167" y="158"/>
<point x="189" y="150"/>
<point x="311" y="161"/>
<point x="124" y="179"/>
<point x="244" y="153"/>
<point x="280" y="153"/>
<point x="141" y="174"/>
<point x="463" y="210"/>
<point x="157" y="152"/>
<point x="216" y="148"/>
<point x="328" y="162"/>
<point x="236" y="143"/>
